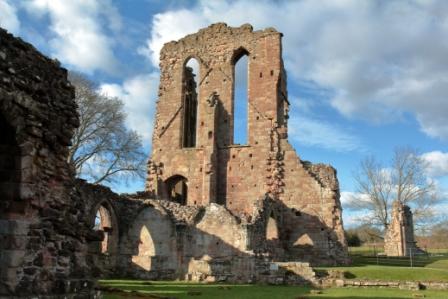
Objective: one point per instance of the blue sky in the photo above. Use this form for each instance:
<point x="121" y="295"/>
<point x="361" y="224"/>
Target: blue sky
<point x="363" y="76"/>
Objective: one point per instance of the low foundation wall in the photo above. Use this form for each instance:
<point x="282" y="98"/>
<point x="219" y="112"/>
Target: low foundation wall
<point x="403" y="285"/>
<point x="257" y="271"/>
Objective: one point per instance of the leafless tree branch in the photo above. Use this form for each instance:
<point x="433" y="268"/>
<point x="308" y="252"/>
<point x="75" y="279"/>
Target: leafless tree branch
<point x="103" y="150"/>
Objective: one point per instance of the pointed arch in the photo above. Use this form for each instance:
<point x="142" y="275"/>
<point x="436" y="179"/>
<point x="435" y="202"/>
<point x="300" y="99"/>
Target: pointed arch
<point x="152" y="242"/>
<point x="104" y="219"/>
<point x="190" y="100"/>
<point x="240" y="63"/>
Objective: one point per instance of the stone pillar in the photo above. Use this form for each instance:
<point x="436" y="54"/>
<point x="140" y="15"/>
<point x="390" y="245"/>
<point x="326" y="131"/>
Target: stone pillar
<point x="210" y="166"/>
<point x="399" y="239"/>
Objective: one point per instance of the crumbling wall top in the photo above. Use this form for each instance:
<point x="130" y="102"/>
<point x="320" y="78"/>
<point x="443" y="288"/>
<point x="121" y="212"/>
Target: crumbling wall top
<point x="36" y="83"/>
<point x="219" y="30"/>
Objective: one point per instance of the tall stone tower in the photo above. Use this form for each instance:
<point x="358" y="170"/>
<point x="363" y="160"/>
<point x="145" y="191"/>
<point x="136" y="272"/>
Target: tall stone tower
<point x="195" y="160"/>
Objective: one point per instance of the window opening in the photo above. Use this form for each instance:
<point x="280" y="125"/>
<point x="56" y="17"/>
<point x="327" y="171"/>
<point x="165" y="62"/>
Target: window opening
<point x="190" y="102"/>
<point x="240" y="113"/>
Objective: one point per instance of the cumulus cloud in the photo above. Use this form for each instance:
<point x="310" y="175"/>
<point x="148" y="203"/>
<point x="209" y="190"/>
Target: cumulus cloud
<point x="348" y="198"/>
<point x="437" y="163"/>
<point x="309" y="131"/>
<point x="138" y="94"/>
<point x="170" y="26"/>
<point x="380" y="59"/>
<point x="8" y="17"/>
<point x="80" y="31"/>
<point x="306" y="128"/>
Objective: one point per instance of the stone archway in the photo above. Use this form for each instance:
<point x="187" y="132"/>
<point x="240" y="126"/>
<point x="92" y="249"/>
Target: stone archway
<point x="177" y="189"/>
<point x="104" y="221"/>
<point x="104" y="253"/>
<point x="151" y="239"/>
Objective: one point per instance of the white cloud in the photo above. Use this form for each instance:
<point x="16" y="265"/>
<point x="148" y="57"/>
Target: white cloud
<point x="170" y="26"/>
<point x="138" y="94"/>
<point x="310" y="131"/>
<point x="348" y="197"/>
<point x="381" y="59"/>
<point x="80" y="32"/>
<point x="8" y="17"/>
<point x="437" y="163"/>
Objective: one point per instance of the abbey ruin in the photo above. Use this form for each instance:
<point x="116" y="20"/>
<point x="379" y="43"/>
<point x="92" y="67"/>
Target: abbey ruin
<point x="212" y="210"/>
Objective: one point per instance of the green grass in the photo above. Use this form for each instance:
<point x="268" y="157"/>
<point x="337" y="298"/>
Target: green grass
<point x="393" y="273"/>
<point x="433" y="267"/>
<point x="365" y="250"/>
<point x="182" y="290"/>
<point x="371" y="250"/>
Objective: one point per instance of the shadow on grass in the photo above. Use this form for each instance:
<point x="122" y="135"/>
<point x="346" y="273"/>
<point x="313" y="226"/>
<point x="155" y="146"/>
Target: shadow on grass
<point x="131" y="289"/>
<point x="180" y="290"/>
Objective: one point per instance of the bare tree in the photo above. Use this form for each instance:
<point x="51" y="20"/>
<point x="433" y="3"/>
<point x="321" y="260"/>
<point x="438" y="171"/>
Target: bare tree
<point x="404" y="180"/>
<point x="103" y="150"/>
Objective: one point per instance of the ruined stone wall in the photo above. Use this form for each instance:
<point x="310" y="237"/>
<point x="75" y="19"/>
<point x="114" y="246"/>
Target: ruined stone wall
<point x="399" y="239"/>
<point x="43" y="234"/>
<point x="100" y="210"/>
<point x="161" y="239"/>
<point x="237" y="176"/>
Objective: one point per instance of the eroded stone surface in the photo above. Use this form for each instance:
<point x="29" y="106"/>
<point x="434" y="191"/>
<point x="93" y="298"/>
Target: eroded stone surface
<point x="160" y="239"/>
<point x="43" y="234"/>
<point x="399" y="239"/>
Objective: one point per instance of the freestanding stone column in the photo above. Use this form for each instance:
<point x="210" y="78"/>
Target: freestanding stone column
<point x="399" y="239"/>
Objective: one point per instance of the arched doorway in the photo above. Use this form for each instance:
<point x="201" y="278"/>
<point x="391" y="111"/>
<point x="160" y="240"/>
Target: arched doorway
<point x="177" y="189"/>
<point x="106" y="221"/>
<point x="104" y="253"/>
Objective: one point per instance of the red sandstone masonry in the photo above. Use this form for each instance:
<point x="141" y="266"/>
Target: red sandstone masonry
<point x="216" y="170"/>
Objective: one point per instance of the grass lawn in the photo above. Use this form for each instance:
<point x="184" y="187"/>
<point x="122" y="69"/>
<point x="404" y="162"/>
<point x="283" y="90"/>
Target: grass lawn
<point x="394" y="273"/>
<point x="425" y="268"/>
<point x="182" y="290"/>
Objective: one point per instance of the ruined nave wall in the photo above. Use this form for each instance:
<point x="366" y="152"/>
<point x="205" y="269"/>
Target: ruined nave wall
<point x="218" y="171"/>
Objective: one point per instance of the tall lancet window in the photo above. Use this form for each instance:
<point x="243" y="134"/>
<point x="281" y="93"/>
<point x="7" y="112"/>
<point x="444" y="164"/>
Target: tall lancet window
<point x="240" y="98"/>
<point x="190" y="102"/>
